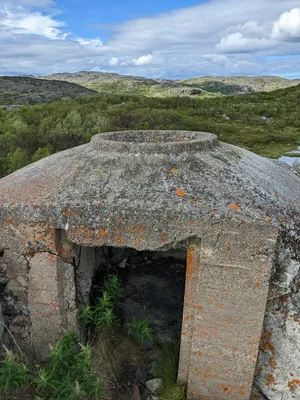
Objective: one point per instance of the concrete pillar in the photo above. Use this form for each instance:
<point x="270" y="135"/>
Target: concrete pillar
<point x="225" y="300"/>
<point x="51" y="300"/>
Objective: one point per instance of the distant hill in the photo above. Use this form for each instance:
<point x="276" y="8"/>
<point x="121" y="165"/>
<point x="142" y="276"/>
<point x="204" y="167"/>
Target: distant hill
<point x="21" y="90"/>
<point x="130" y="85"/>
<point x="240" y="84"/>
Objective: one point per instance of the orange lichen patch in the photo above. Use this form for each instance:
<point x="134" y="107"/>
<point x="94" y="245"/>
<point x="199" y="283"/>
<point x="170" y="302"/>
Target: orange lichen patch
<point x="199" y="353"/>
<point x="284" y="299"/>
<point x="186" y="318"/>
<point x="67" y="212"/>
<point x="272" y="362"/>
<point x="266" y="344"/>
<point x="268" y="220"/>
<point x="258" y="284"/>
<point x="233" y="206"/>
<point x="270" y="380"/>
<point x="200" y="308"/>
<point x="102" y="233"/>
<point x="163" y="236"/>
<point x="258" y="248"/>
<point x="8" y="220"/>
<point x="276" y="194"/>
<point x="180" y="193"/>
<point x="189" y="262"/>
<point x="220" y="306"/>
<point x="292" y="374"/>
<point x="227" y="243"/>
<point x="293" y="385"/>
<point x="137" y="229"/>
<point x="120" y="241"/>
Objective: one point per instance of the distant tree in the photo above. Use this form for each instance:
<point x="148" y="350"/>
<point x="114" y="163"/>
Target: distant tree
<point x="41" y="152"/>
<point x="17" y="159"/>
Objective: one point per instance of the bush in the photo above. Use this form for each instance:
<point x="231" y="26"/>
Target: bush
<point x="140" y="328"/>
<point x="13" y="374"/>
<point x="68" y="374"/>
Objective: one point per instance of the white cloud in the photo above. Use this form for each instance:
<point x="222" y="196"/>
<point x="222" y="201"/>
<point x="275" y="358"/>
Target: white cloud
<point x="25" y="23"/>
<point x="143" y="60"/>
<point x="288" y="26"/>
<point x="90" y="42"/>
<point x="113" y="61"/>
<point x="28" y="3"/>
<point x="216" y="37"/>
<point x="237" y="43"/>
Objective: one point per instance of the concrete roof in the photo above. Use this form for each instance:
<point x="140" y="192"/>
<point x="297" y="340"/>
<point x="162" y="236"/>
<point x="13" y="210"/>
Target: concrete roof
<point x="155" y="182"/>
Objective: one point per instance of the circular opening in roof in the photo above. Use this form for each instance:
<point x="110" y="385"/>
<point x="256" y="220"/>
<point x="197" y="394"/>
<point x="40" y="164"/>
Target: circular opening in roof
<point x="157" y="141"/>
<point x="154" y="136"/>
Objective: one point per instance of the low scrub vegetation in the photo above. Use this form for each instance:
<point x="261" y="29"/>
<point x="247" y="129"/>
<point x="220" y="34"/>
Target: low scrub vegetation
<point x="67" y="374"/>
<point x="266" y="123"/>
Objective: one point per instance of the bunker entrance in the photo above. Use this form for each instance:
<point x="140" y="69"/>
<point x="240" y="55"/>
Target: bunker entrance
<point x="151" y="285"/>
<point x="151" y="288"/>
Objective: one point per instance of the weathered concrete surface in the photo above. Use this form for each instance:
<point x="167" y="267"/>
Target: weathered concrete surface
<point x="156" y="191"/>
<point x="126" y="189"/>
<point x="51" y="300"/>
<point x="278" y="368"/>
<point x="227" y="297"/>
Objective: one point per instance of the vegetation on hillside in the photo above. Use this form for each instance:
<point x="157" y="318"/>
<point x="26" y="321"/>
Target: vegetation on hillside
<point x="266" y="123"/>
<point x="130" y="85"/>
<point x="241" y="84"/>
<point x="21" y="90"/>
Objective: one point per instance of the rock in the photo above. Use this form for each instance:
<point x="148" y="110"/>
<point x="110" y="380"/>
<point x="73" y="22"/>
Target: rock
<point x="122" y="264"/>
<point x="154" y="385"/>
<point x="279" y="356"/>
<point x="136" y="392"/>
<point x="226" y="117"/>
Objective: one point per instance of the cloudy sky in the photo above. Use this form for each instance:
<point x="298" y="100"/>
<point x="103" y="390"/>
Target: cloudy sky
<point x="165" y="38"/>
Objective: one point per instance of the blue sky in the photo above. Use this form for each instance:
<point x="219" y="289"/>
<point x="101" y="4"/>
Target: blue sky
<point x="162" y="39"/>
<point x="81" y="15"/>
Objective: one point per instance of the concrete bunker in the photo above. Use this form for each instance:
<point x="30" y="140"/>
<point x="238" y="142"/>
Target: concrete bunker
<point x="160" y="191"/>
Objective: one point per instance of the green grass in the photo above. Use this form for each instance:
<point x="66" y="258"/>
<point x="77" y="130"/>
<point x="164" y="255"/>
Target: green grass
<point x="167" y="367"/>
<point x="291" y="154"/>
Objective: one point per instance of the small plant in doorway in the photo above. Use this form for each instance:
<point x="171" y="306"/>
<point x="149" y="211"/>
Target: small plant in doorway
<point x="140" y="328"/>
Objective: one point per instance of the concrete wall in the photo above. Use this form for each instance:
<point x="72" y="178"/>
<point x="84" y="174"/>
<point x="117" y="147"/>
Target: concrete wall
<point x="226" y="292"/>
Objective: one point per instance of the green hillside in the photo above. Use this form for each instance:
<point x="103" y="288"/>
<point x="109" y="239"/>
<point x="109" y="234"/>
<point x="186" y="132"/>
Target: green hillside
<point x="130" y="85"/>
<point x="240" y="84"/>
<point x="267" y="123"/>
<point x="20" y="90"/>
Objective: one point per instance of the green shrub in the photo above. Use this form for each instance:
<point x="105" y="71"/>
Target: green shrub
<point x="103" y="312"/>
<point x="140" y="328"/>
<point x="111" y="286"/>
<point x="85" y="315"/>
<point x="13" y="374"/>
<point x="68" y="374"/>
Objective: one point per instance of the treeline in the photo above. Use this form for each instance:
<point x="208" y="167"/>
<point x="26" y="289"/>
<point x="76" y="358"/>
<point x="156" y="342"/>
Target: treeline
<point x="267" y="123"/>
